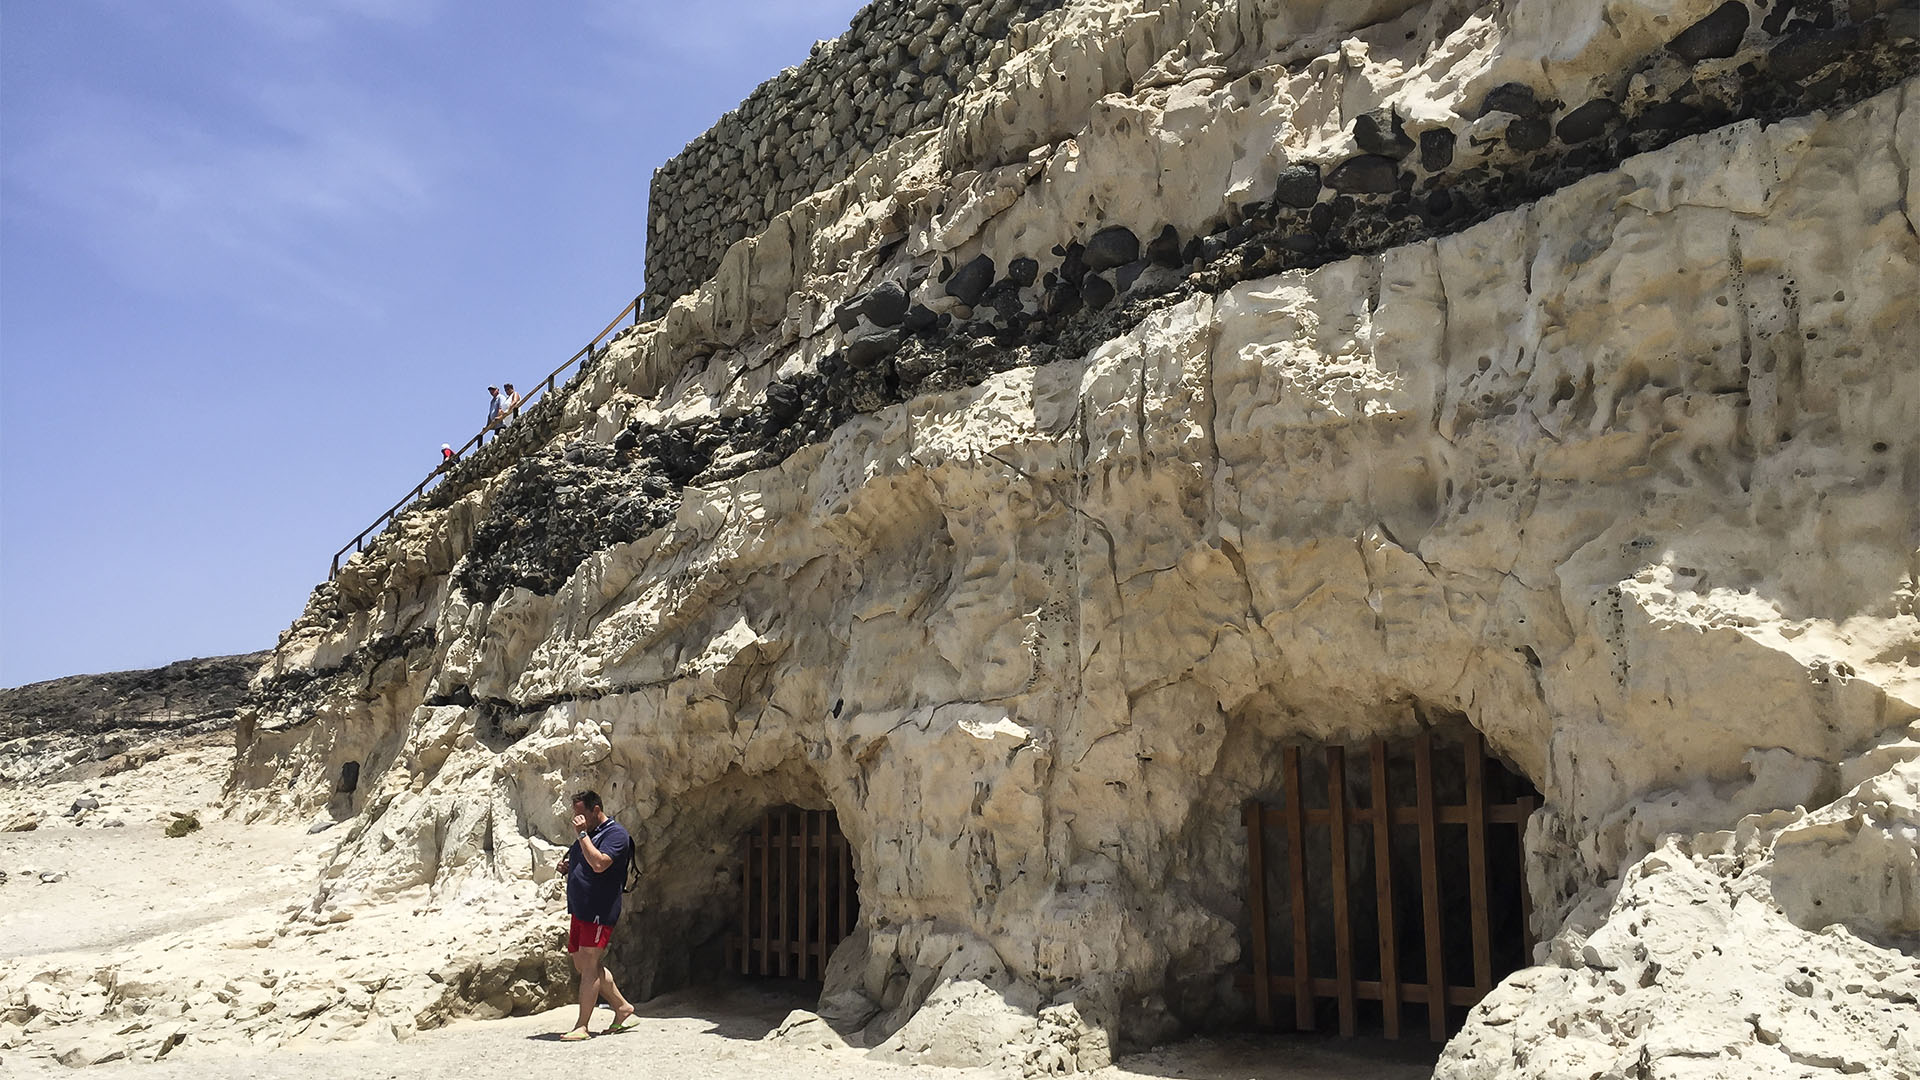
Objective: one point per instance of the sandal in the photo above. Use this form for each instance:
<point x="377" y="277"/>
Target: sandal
<point x="624" y="1023"/>
<point x="577" y="1035"/>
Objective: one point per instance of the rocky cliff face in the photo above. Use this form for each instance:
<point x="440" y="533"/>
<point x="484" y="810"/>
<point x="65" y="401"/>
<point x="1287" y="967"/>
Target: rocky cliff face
<point x="1217" y="378"/>
<point x="49" y="726"/>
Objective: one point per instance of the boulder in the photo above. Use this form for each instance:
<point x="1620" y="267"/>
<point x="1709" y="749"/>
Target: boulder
<point x="886" y="305"/>
<point x="1115" y="245"/>
<point x="1380" y="132"/>
<point x="1368" y="174"/>
<point x="969" y="283"/>
<point x="1436" y="149"/>
<point x="1298" y="186"/>
<point x="1717" y="35"/>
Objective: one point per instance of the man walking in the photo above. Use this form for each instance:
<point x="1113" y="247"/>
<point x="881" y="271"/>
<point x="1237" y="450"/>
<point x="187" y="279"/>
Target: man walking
<point x="596" y="869"/>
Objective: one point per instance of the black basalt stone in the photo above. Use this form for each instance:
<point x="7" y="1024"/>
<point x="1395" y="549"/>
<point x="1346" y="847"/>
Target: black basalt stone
<point x="1072" y="263"/>
<point x="1061" y="299"/>
<point x="1666" y="116"/>
<point x="1004" y="298"/>
<point x="1112" y="246"/>
<point x="1436" y="149"/>
<point x="1023" y="271"/>
<point x="1589" y="121"/>
<point x="847" y="315"/>
<point x="1164" y="249"/>
<point x="886" y="305"/>
<point x="1379" y="132"/>
<point x="1096" y="291"/>
<point x="1529" y="133"/>
<point x="868" y="344"/>
<point x="1298" y="186"/>
<point x="1516" y="98"/>
<point x="1800" y="55"/>
<point x="1368" y="174"/>
<point x="1125" y="276"/>
<point x="920" y="319"/>
<point x="1716" y="36"/>
<point x="783" y="400"/>
<point x="969" y="283"/>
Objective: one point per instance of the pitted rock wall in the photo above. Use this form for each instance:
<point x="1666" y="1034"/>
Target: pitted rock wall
<point x="1023" y="514"/>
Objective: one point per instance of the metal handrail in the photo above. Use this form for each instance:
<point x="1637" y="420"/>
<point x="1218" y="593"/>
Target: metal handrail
<point x="358" y="543"/>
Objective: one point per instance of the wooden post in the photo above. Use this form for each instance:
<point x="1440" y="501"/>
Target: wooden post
<point x="1475" y="754"/>
<point x="1525" y="805"/>
<point x="1253" y="813"/>
<point x="746" y="905"/>
<point x="846" y="885"/>
<point x="826" y="936"/>
<point x="1297" y="866"/>
<point x="780" y="893"/>
<point x="1383" y="888"/>
<point x="1342" y="927"/>
<point x="806" y="885"/>
<point x="766" y="901"/>
<point x="1430" y="887"/>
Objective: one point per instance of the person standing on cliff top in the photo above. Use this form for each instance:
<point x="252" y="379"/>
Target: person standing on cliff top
<point x="596" y="869"/>
<point x="496" y="412"/>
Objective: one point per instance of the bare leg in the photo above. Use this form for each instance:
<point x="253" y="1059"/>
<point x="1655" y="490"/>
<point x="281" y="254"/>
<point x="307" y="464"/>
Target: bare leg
<point x="587" y="963"/>
<point x="610" y="990"/>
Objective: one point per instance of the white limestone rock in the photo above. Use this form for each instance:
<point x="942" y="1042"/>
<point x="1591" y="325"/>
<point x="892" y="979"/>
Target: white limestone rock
<point x="1623" y="478"/>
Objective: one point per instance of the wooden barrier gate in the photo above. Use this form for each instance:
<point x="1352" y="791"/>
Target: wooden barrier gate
<point x="797" y="896"/>
<point x="1295" y="977"/>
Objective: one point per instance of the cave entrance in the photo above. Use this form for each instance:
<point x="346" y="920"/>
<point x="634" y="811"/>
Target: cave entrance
<point x="797" y="896"/>
<point x="1387" y="885"/>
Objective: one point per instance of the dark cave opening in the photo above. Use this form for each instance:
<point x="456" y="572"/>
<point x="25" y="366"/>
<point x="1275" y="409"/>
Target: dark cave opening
<point x="796" y="896"/>
<point x="1454" y="920"/>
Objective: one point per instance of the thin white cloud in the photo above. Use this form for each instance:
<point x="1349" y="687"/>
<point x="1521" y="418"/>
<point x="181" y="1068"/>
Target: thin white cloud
<point x="254" y="204"/>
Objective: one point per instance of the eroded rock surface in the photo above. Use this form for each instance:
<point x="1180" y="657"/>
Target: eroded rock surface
<point x="1570" y="396"/>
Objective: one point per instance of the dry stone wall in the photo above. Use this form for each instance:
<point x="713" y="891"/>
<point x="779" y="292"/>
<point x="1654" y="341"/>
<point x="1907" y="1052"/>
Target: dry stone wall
<point x="893" y="72"/>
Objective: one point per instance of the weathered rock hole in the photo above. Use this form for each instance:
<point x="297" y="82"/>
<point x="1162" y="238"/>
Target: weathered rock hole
<point x="795" y="895"/>
<point x="1476" y="922"/>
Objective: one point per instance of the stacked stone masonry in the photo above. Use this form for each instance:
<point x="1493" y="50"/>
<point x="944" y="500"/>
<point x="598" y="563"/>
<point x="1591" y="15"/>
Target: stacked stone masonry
<point x="893" y="72"/>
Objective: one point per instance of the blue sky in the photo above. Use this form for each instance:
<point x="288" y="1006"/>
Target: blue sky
<point x="260" y="258"/>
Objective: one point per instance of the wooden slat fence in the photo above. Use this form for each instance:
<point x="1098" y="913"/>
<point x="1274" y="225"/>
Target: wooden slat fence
<point x="542" y="389"/>
<point x="1297" y="980"/>
<point x="797" y="896"/>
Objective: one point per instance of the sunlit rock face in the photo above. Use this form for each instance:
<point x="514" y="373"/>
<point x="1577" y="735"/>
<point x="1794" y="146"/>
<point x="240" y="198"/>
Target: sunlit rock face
<point x="1214" y="378"/>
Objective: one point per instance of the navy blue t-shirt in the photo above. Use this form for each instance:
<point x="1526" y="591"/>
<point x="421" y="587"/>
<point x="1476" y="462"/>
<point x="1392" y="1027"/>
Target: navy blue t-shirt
<point x="595" y="896"/>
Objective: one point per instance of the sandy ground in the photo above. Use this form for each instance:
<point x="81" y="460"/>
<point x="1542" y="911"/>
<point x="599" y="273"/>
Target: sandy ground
<point x="720" y="1033"/>
<point x="216" y="902"/>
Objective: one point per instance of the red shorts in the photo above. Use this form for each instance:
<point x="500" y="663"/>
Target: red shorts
<point x="585" y="935"/>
